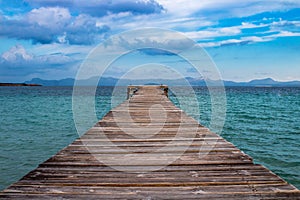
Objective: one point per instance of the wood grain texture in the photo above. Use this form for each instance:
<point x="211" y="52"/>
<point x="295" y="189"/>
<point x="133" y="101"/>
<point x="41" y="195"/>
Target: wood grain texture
<point x="139" y="137"/>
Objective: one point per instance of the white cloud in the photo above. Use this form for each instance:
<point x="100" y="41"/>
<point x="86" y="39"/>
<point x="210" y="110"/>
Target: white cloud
<point x="54" y="17"/>
<point x="17" y="52"/>
<point x="155" y="41"/>
<point x="254" y="39"/>
<point x="77" y="52"/>
<point x="283" y="34"/>
<point x="230" y="30"/>
<point x="241" y="41"/>
<point x="251" y="39"/>
<point x="213" y="33"/>
<point x="233" y="8"/>
<point x="18" y="57"/>
<point x="284" y="24"/>
<point x="182" y="7"/>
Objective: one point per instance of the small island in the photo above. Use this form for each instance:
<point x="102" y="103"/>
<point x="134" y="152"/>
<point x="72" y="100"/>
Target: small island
<point x="19" y="84"/>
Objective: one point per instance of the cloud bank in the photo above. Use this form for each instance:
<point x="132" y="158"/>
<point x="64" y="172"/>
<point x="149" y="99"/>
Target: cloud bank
<point x="77" y="26"/>
<point x="213" y="22"/>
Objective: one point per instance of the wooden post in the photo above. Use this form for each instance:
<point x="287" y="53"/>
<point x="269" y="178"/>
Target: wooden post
<point x="131" y="90"/>
<point x="128" y="92"/>
<point x="165" y="89"/>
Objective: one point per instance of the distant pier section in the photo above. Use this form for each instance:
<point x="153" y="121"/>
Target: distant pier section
<point x="204" y="165"/>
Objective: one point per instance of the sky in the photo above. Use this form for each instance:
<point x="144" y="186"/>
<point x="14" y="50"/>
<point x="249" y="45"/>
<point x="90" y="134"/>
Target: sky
<point x="250" y="39"/>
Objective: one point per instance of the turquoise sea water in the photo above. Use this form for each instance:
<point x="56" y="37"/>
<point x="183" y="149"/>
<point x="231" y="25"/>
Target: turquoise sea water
<point x="36" y="122"/>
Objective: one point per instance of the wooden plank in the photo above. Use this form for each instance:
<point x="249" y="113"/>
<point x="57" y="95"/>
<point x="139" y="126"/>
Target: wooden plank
<point x="152" y="190"/>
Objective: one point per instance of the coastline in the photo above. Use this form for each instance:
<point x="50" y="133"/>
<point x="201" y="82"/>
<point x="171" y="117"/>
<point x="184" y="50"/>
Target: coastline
<point x="19" y="84"/>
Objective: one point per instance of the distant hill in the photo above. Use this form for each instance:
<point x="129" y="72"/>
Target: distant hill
<point x="109" y="81"/>
<point x="62" y="82"/>
<point x="268" y="82"/>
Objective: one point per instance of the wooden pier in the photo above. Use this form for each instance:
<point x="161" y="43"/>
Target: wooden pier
<point x="182" y="160"/>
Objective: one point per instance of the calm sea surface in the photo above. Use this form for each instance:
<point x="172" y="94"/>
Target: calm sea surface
<point x="36" y="122"/>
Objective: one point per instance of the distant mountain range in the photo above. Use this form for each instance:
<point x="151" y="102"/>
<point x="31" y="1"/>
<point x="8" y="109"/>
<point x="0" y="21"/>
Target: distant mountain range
<point x="109" y="81"/>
